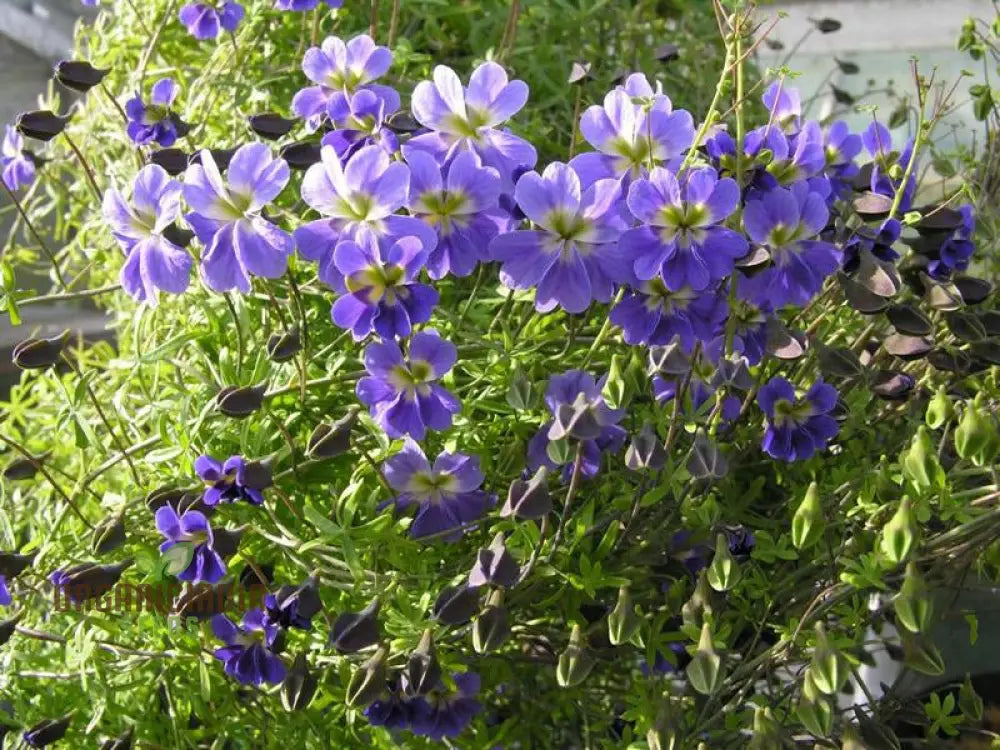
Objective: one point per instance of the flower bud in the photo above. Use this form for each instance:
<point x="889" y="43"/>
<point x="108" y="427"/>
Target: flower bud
<point x="705" y="669"/>
<point x="368" y="681"/>
<point x="89" y="580"/>
<point x="456" y="605"/>
<point x="899" y="535"/>
<point x="42" y="125"/>
<point x="939" y="410"/>
<point x="239" y="402"/>
<point x="7" y="629"/>
<point x="124" y="741"/>
<point x="816" y="715"/>
<point x="353" y="631"/>
<point x="969" y="702"/>
<point x="829" y="669"/>
<point x="807" y="523"/>
<point x="22" y="468"/>
<point x="300" y="155"/>
<point x="331" y="440"/>
<point x="707" y="461"/>
<point x="271" y="125"/>
<point x="913" y="605"/>
<point x="976" y="435"/>
<point x="576" y="661"/>
<point x="492" y="628"/>
<point x="281" y="347"/>
<point x="173" y="160"/>
<point x="109" y="535"/>
<point x="495" y="565"/>
<point x="13" y="564"/>
<point x="669" y="360"/>
<point x="202" y="601"/>
<point x="227" y="541"/>
<point x="920" y="463"/>
<point x="723" y="573"/>
<point x="299" y="686"/>
<point x="37" y="354"/>
<point x="47" y="732"/>
<point x="528" y="500"/>
<point x="623" y="622"/>
<point x="921" y="655"/>
<point x="79" y="75"/>
<point x="646" y="450"/>
<point x="576" y="420"/>
<point x="422" y="672"/>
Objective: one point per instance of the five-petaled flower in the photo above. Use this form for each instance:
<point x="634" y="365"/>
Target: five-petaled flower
<point x="797" y="428"/>
<point x="191" y="528"/>
<point x="228" y="482"/>
<point x="153" y="122"/>
<point x="248" y="654"/>
<point x="204" y="20"/>
<point x="18" y="167"/>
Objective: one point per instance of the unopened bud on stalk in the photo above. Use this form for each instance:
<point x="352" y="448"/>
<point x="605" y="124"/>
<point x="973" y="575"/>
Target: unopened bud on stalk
<point x="705" y="669"/>
<point x="807" y="523"/>
<point x="899" y="535"/>
<point x="913" y="605"/>
<point x="576" y="661"/>
<point x="623" y="622"/>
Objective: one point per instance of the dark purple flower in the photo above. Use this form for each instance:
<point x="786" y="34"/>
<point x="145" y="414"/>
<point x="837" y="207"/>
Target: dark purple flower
<point x="879" y="242"/>
<point x="378" y="287"/>
<point x="878" y="142"/>
<point x="153" y="122"/>
<point x="227" y="482"/>
<point x="577" y="390"/>
<point x="786" y="221"/>
<point x="681" y="238"/>
<point x="18" y="168"/>
<point x="293" y="606"/>
<point x="450" y="711"/>
<point x="301" y="5"/>
<point x="464" y="118"/>
<point x="573" y="256"/>
<point x="462" y="205"/>
<point x="447" y="495"/>
<point x="5" y="597"/>
<point x="797" y="428"/>
<point x="958" y="249"/>
<point x="359" y="120"/>
<point x="336" y="67"/>
<point x="226" y="217"/>
<point x="205" y="20"/>
<point x="192" y="529"/>
<point x="402" y="393"/>
<point x="394" y="710"/>
<point x="152" y="262"/>
<point x="247" y="654"/>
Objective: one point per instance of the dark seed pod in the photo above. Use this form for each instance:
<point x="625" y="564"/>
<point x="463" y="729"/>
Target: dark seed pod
<point x="578" y="72"/>
<point x="941" y="295"/>
<point x="177" y="235"/>
<point x="79" y="75"/>
<point x="7" y="629"/>
<point x="847" y="67"/>
<point x="22" y="468"/>
<point x="227" y="541"/>
<point x="892" y="386"/>
<point x="123" y="741"/>
<point x="492" y="628"/>
<point x="354" y="631"/>
<point x="221" y="157"/>
<point x="842" y="96"/>
<point x="202" y="601"/>
<point x="667" y="52"/>
<point x="908" y="347"/>
<point x="575" y="420"/>
<point x="368" y="681"/>
<point x="183" y="128"/>
<point x="47" y="732"/>
<point x="669" y="360"/>
<point x="909" y="320"/>
<point x="281" y="347"/>
<point x="173" y="160"/>
<point x="257" y="474"/>
<point x="965" y="326"/>
<point x="13" y="564"/>
<point x="754" y="260"/>
<point x="456" y="605"/>
<point x="249" y="576"/>
<point x="860" y="298"/>
<point x="707" y="461"/>
<point x="783" y="343"/>
<point x="304" y="597"/>
<point x="239" y="402"/>
<point x="178" y="499"/>
<point x="870" y="205"/>
<point x="299" y="686"/>
<point x="37" y="354"/>
<point x="646" y="450"/>
<point x="271" y="125"/>
<point x="838" y="362"/>
<point x="991" y="322"/>
<point x="88" y="580"/>
<point x="938" y="219"/>
<point x="495" y="565"/>
<point x="973" y="290"/>
<point x="301" y="155"/>
<point x="987" y="350"/>
<point x="827" y="25"/>
<point x="42" y="125"/>
<point x="109" y="535"/>
<point x="331" y="440"/>
<point x="423" y="673"/>
<point x="528" y="500"/>
<point x="949" y="360"/>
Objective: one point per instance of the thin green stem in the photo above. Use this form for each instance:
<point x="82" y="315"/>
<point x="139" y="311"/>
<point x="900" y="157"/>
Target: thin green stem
<point x="36" y="235"/>
<point x="86" y="166"/>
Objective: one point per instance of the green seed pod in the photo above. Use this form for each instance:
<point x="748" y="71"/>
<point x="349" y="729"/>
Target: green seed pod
<point x="616" y="391"/>
<point x="519" y="392"/>
<point x="368" y="681"/>
<point x="900" y="534"/>
<point x="829" y="668"/>
<point x="807" y="523"/>
<point x="913" y="605"/>
<point x="705" y="669"/>
<point x="623" y="622"/>
<point x="920" y="463"/>
<point x="724" y="572"/>
<point x="699" y="604"/>
<point x="975" y="436"/>
<point x="816" y="715"/>
<point x="939" y="410"/>
<point x="921" y="655"/>
<point x="492" y="627"/>
<point x="766" y="731"/>
<point x="299" y="686"/>
<point x="969" y="702"/>
<point x="576" y="662"/>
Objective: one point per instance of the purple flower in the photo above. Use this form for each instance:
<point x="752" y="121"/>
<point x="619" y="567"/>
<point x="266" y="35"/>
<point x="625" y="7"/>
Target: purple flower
<point x="5" y="597"/>
<point x="18" y="168"/>
<point x="300" y="5"/>
<point x="153" y="122"/>
<point x="797" y="428"/>
<point x="574" y="399"/>
<point x="248" y="653"/>
<point x="226" y="217"/>
<point x="842" y="146"/>
<point x="749" y="330"/>
<point x="447" y="495"/>
<point x="394" y="710"/>
<point x="205" y="20"/>
<point x="345" y="68"/>
<point x="362" y="196"/>
<point x="378" y="286"/>
<point x="462" y="206"/>
<point x="191" y="528"/>
<point x="878" y="142"/>
<point x="449" y="712"/>
<point x="957" y="250"/>
<point x="784" y="105"/>
<point x="227" y="482"/>
<point x="293" y="606"/>
<point x="699" y="390"/>
<point x="786" y="221"/>
<point x="879" y="242"/>
<point x="468" y="118"/>
<point x="360" y="121"/>
<point x="573" y="257"/>
<point x="152" y="262"/>
<point x="632" y="134"/>
<point x="652" y="314"/>
<point x="794" y="157"/>
<point x="402" y="394"/>
<point x="681" y="239"/>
